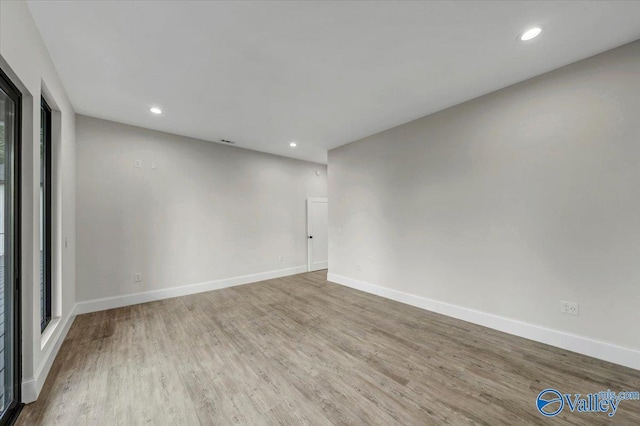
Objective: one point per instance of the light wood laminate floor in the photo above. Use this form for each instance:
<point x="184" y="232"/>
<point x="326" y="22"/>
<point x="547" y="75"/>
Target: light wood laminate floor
<point x="301" y="350"/>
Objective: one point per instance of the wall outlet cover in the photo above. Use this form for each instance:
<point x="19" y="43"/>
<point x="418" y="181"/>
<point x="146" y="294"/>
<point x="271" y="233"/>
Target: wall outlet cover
<point x="570" y="308"/>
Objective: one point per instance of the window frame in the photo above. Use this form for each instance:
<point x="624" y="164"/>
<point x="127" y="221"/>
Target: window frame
<point x="46" y="173"/>
<point x="13" y="409"/>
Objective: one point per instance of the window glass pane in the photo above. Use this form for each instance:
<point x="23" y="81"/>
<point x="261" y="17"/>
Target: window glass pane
<point x="45" y="214"/>
<point x="43" y="119"/>
<point x="7" y="114"/>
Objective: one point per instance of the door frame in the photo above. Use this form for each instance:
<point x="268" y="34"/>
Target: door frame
<point x="311" y="200"/>
<point x="16" y="405"/>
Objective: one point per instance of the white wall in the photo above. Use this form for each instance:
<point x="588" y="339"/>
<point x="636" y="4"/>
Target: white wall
<point x="208" y="212"/>
<point x="506" y="205"/>
<point x="25" y="59"/>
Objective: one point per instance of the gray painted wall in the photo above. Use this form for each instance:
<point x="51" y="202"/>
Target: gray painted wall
<point x="507" y="204"/>
<point x="207" y="212"/>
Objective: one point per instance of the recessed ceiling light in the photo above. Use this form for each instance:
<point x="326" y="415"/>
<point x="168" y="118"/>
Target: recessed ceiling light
<point x="293" y="144"/>
<point x="156" y="110"/>
<point x="530" y="33"/>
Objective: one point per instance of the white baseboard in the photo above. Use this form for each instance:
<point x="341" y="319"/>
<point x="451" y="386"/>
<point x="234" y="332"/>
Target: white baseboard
<point x="31" y="387"/>
<point x="96" y="305"/>
<point x="319" y="266"/>
<point x="582" y="345"/>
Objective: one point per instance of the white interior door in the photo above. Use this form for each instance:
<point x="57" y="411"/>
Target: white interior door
<point x="317" y="233"/>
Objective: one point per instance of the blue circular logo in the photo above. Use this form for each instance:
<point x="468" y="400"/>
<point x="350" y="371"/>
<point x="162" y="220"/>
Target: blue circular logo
<point x="550" y="402"/>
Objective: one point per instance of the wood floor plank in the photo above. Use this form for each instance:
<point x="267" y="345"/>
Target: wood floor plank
<point x="300" y="350"/>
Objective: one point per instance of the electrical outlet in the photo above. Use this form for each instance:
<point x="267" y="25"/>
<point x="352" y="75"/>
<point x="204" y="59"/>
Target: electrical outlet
<point x="137" y="277"/>
<point x="281" y="258"/>
<point x="359" y="268"/>
<point x="570" y="308"/>
<point x="137" y="164"/>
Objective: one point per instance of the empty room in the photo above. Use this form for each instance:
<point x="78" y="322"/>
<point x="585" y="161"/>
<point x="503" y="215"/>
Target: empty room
<point x="319" y="212"/>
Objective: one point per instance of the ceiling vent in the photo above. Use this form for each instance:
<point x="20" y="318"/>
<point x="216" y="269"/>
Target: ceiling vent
<point x="227" y="141"/>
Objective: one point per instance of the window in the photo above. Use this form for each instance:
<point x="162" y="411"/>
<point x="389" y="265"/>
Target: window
<point x="45" y="214"/>
<point x="10" y="326"/>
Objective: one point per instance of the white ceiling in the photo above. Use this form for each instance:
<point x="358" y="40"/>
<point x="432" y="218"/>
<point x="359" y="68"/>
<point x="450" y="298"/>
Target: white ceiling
<point x="320" y="73"/>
